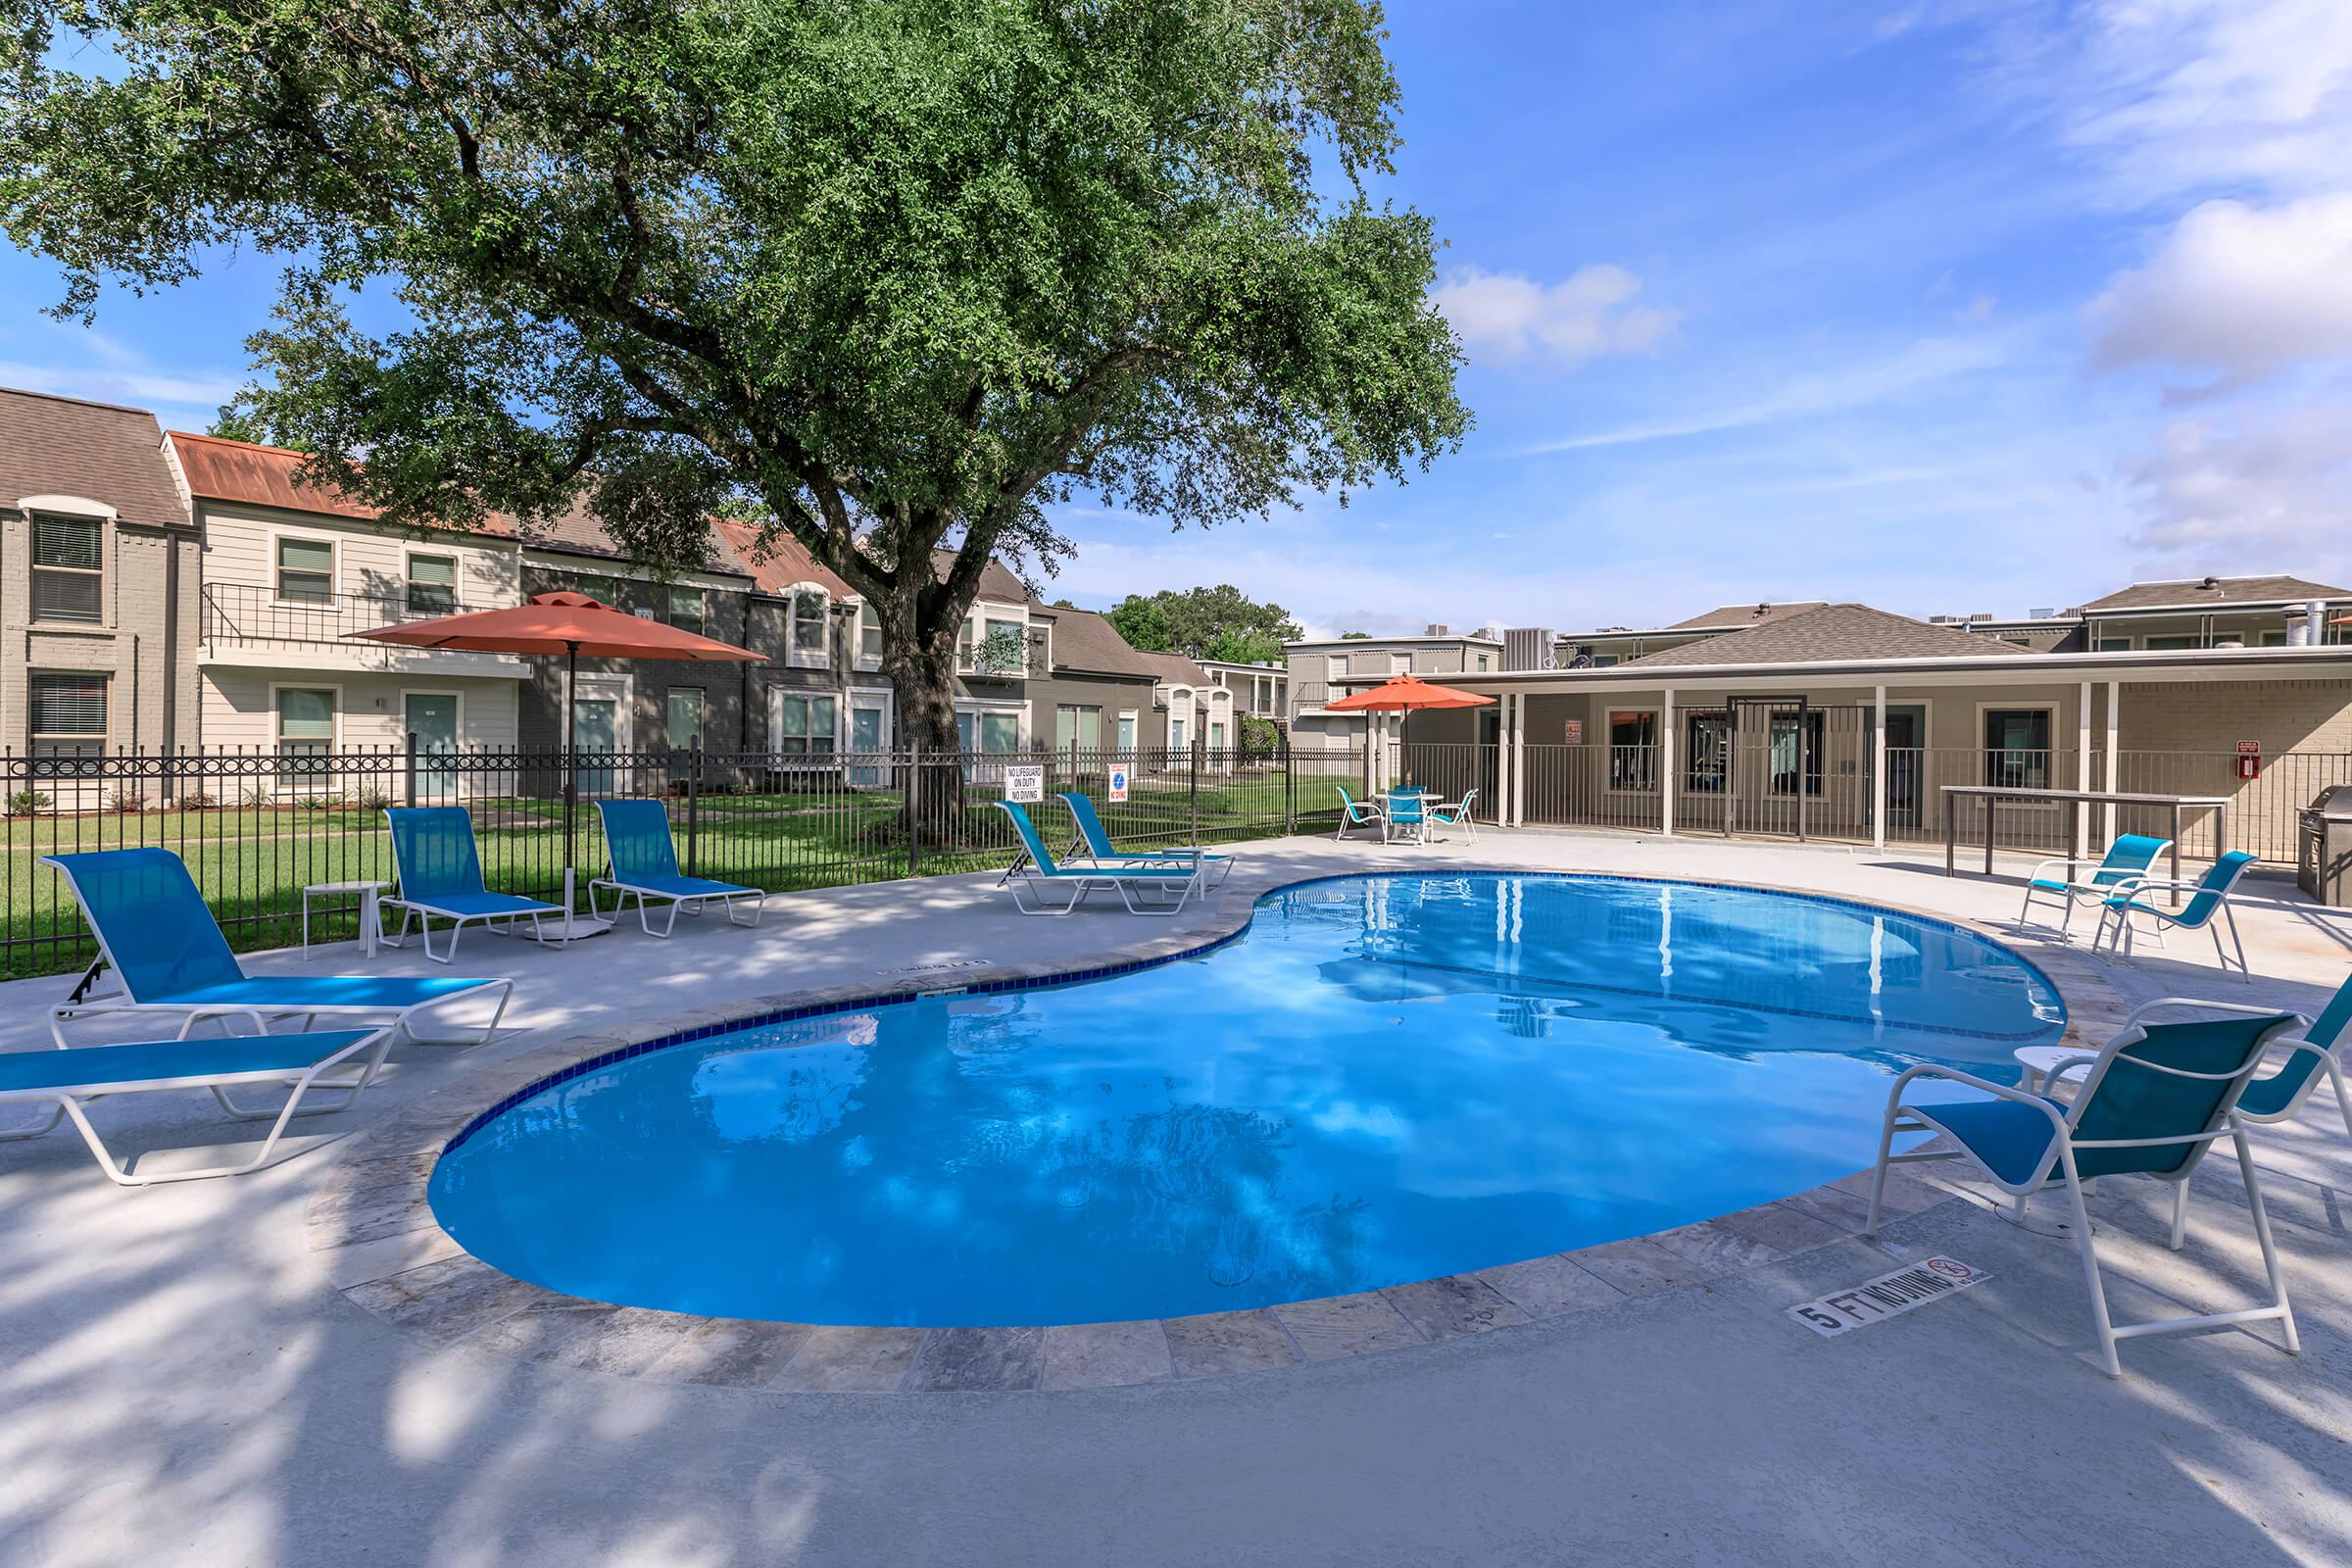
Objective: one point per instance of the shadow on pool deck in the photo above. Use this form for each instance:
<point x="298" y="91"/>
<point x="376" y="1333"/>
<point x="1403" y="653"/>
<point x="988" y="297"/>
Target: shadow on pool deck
<point x="182" y="1386"/>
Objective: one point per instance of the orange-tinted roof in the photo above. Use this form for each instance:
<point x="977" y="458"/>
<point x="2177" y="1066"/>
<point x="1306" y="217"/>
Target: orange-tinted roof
<point x="219" y="469"/>
<point x="781" y="564"/>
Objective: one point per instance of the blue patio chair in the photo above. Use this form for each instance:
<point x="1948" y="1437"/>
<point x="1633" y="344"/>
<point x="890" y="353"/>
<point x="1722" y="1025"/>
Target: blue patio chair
<point x="66" y="1078"/>
<point x="2154" y="1098"/>
<point x="168" y="954"/>
<point x="1408" y="816"/>
<point x="1456" y="816"/>
<point x="1038" y="870"/>
<point x="2207" y="909"/>
<point x="1355" y="814"/>
<point x="1091" y="844"/>
<point x="644" y="863"/>
<point x="440" y="873"/>
<point x="2127" y="860"/>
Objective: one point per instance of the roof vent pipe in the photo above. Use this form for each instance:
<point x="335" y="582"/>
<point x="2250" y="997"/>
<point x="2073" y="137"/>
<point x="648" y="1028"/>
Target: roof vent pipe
<point x="2314" y="622"/>
<point x="2298" y="625"/>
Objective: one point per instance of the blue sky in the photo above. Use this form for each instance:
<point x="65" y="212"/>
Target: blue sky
<point x="1962" y="305"/>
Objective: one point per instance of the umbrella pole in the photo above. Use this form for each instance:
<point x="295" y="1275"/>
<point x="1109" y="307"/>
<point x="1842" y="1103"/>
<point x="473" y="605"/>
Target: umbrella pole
<point x="572" y="765"/>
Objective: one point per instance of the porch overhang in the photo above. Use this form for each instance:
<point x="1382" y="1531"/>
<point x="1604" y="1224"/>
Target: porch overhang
<point x="2166" y="666"/>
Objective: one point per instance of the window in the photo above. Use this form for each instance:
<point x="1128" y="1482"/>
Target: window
<point x="1216" y="736"/>
<point x="869" y="636"/>
<point x="306" y="570"/>
<point x="2272" y="638"/>
<point x="605" y="590"/>
<point x="804" y="724"/>
<point x="67" y="712"/>
<point x="1796" y="746"/>
<point x="1176" y="741"/>
<point x="2115" y="645"/>
<point x="1334" y="666"/>
<point x="685" y="608"/>
<point x="433" y="584"/>
<point x="983" y="730"/>
<point x="1604" y="660"/>
<point x="1706" y="752"/>
<point x="2178" y="640"/>
<point x="305" y="731"/>
<point x="685" y="716"/>
<point x="69" y="555"/>
<point x="1078" y="726"/>
<point x="1002" y="658"/>
<point x="2017" y="747"/>
<point x="1482" y="664"/>
<point x="806" y="644"/>
<point x="1633" y="750"/>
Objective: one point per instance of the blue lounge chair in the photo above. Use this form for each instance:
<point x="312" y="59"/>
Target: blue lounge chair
<point x="1458" y="816"/>
<point x="2207" y="909"/>
<point x="1408" y="816"/>
<point x="2129" y="859"/>
<point x="440" y="873"/>
<point x="644" y="863"/>
<point x="1355" y="813"/>
<point x="1091" y="844"/>
<point x="168" y="954"/>
<point x="1038" y="871"/>
<point x="2154" y="1098"/>
<point x="66" y="1078"/>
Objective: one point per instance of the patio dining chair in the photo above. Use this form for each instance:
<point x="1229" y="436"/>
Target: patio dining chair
<point x="1355" y="814"/>
<point x="2207" y="909"/>
<point x="2126" y="861"/>
<point x="1458" y="816"/>
<point x="2153" y="1100"/>
<point x="644" y="864"/>
<point x="1408" y="816"/>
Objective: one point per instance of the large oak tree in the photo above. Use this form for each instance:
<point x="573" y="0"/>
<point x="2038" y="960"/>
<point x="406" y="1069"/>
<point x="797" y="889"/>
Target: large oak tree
<point x="893" y="275"/>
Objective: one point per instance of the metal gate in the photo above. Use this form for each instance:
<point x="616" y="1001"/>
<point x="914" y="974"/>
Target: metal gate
<point x="1783" y="767"/>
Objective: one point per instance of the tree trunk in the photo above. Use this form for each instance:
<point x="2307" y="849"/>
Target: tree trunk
<point x="924" y="683"/>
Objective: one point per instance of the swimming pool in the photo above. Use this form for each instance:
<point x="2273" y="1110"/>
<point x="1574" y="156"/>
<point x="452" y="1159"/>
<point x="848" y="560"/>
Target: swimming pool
<point x="1383" y="1079"/>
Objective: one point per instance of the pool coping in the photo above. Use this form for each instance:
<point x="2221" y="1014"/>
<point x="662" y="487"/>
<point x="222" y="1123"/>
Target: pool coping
<point x="372" y="1226"/>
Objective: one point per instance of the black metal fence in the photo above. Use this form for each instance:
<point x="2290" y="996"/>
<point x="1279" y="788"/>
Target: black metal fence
<point x="257" y="828"/>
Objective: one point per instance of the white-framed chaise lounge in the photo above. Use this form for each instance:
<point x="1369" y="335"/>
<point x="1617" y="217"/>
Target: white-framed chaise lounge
<point x="643" y="863"/>
<point x="1039" y="870"/>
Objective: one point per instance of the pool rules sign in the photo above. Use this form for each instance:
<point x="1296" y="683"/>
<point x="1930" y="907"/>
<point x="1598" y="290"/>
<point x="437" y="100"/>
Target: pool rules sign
<point x="1025" y="783"/>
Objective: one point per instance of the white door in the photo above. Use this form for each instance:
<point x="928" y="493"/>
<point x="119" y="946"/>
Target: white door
<point x="870" y="737"/>
<point x="432" y="718"/>
<point x="600" y="729"/>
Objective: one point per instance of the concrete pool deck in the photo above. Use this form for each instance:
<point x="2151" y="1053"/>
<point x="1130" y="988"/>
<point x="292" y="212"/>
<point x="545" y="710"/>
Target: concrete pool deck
<point x="185" y="1382"/>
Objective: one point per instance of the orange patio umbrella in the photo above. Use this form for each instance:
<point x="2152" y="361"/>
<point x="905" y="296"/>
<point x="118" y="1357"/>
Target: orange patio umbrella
<point x="570" y="624"/>
<point x="1402" y="693"/>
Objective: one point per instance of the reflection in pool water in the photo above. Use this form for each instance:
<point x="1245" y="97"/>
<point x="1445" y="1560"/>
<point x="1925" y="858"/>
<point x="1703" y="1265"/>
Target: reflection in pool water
<point x="1386" y="1078"/>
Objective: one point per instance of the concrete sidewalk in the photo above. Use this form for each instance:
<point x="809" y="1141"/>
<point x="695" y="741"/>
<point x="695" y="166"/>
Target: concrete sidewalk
<point x="182" y="1384"/>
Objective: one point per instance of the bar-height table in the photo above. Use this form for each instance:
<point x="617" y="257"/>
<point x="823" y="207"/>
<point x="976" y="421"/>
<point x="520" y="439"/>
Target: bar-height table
<point x="2074" y="801"/>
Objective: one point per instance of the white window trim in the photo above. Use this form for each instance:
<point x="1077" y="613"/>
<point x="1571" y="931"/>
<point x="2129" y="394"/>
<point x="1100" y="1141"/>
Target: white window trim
<point x="857" y="655"/>
<point x="277" y="742"/>
<point x="450" y="691"/>
<point x="408" y="573"/>
<point x="668" y="695"/>
<point x="107" y="676"/>
<point x="778" y="694"/>
<point x="1126" y="717"/>
<point x="856" y="697"/>
<point x="334" y="570"/>
<point x="1657" y="725"/>
<point x="1335" y="667"/>
<point x="2056" y="711"/>
<point x="77" y="510"/>
<point x="1019" y="709"/>
<point x="794" y="655"/>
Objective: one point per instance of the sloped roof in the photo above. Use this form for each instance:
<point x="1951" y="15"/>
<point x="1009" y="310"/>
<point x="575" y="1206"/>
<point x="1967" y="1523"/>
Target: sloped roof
<point x="102" y="452"/>
<point x="1175" y="668"/>
<point x="779" y="563"/>
<point x="1832" y="633"/>
<point x="1745" y="614"/>
<point x="997" y="584"/>
<point x="2224" y="591"/>
<point x="1085" y="641"/>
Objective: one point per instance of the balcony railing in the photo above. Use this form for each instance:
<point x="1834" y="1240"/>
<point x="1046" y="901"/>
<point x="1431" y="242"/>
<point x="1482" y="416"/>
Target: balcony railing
<point x="254" y="613"/>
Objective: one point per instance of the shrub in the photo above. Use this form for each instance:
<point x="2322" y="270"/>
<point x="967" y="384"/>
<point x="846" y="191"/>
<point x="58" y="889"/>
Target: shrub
<point x="125" y="802"/>
<point x="197" y="800"/>
<point x="373" y="798"/>
<point x="25" y="802"/>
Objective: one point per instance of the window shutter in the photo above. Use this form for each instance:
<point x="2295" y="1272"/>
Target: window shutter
<point x="69" y="705"/>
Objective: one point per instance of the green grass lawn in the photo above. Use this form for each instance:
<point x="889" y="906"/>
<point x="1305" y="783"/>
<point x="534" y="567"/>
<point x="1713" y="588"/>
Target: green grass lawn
<point x="252" y="864"/>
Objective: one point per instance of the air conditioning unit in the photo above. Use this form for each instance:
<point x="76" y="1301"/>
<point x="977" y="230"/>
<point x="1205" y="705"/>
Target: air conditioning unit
<point x="1437" y="629"/>
<point x="2051" y="613"/>
<point x="1527" y="647"/>
<point x="1947" y="620"/>
<point x="646" y="614"/>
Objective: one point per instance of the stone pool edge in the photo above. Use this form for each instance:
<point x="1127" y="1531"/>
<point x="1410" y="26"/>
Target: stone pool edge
<point x="373" y="1229"/>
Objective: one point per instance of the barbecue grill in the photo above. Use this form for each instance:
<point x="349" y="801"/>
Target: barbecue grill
<point x="2323" y="847"/>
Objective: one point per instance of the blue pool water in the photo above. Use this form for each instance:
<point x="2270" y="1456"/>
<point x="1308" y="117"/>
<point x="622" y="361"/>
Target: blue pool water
<point x="1386" y="1078"/>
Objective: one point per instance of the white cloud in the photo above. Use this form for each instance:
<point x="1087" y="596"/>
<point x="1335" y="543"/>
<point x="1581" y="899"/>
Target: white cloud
<point x="2277" y="490"/>
<point x="1507" y="317"/>
<point x="2241" y="290"/>
<point x="1857" y="385"/>
<point x="118" y="382"/>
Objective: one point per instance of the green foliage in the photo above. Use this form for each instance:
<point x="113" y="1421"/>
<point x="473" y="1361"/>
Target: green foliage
<point x="238" y="423"/>
<point x="25" y="803"/>
<point x="894" y="275"/>
<point x="1354" y="636"/>
<point x="1220" y="622"/>
<point x="1260" y="737"/>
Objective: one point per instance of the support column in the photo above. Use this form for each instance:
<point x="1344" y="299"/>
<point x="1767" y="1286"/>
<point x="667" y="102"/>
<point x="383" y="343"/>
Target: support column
<point x="1666" y="766"/>
<point x="1519" y="760"/>
<point x="2082" y="846"/>
<point x="1878" y="769"/>
<point x="2115" y="762"/>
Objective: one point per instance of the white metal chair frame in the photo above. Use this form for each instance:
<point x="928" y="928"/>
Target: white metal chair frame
<point x="690" y="903"/>
<point x="1355" y="814"/>
<point x="2076" y="893"/>
<point x="70" y="1103"/>
<point x="420" y="913"/>
<point x="1392" y="828"/>
<point x="1456" y="816"/>
<point x="1080" y="883"/>
<point x="2059" y="1162"/>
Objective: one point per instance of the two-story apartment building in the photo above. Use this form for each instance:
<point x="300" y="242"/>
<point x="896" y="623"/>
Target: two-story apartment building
<point x="1324" y="668"/>
<point x="288" y="572"/>
<point x="1259" y="690"/>
<point x="97" y="552"/>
